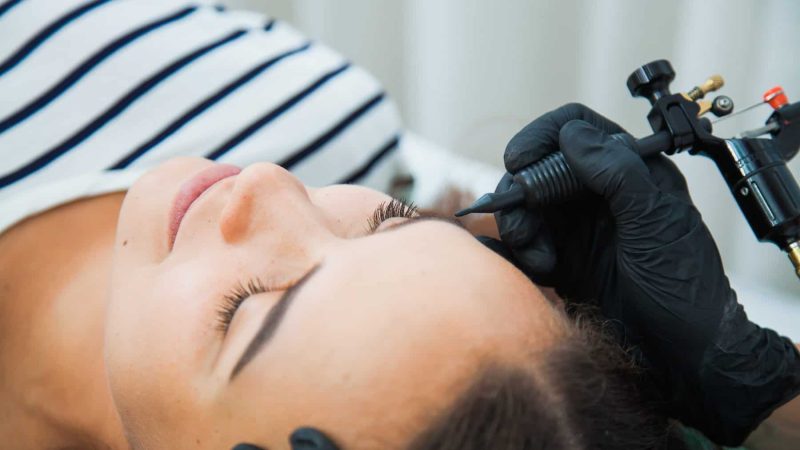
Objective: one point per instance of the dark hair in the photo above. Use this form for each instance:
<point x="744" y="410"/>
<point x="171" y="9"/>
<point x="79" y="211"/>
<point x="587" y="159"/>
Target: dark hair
<point x="583" y="393"/>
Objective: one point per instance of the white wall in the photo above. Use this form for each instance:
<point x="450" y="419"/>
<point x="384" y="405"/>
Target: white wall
<point x="467" y="74"/>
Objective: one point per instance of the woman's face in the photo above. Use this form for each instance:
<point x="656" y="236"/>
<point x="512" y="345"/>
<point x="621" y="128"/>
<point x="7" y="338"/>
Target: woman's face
<point x="366" y="335"/>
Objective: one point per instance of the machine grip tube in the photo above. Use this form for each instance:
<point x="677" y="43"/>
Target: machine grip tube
<point x="654" y="144"/>
<point x="550" y="180"/>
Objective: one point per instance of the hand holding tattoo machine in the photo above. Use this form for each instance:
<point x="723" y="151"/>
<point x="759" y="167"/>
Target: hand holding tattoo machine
<point x="754" y="168"/>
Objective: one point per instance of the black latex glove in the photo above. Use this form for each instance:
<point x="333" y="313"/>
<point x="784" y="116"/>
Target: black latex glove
<point x="303" y="438"/>
<point x="637" y="246"/>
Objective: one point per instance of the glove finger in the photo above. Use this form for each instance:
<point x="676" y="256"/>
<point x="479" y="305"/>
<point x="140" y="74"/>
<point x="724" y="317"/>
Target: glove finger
<point x="538" y="259"/>
<point x="496" y="246"/>
<point x="505" y="183"/>
<point x="607" y="166"/>
<point x="541" y="136"/>
<point x="668" y="177"/>
<point x="516" y="226"/>
<point x="535" y="263"/>
<point x="525" y="233"/>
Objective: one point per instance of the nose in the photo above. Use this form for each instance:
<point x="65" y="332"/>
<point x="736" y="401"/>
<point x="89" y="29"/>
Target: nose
<point x="263" y="194"/>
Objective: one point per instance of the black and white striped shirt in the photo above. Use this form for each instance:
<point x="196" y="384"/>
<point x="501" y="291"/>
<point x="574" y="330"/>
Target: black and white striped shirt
<point x="94" y="92"/>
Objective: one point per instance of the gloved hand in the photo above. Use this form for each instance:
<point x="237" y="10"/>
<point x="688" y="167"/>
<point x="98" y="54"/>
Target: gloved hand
<point x="637" y="246"/>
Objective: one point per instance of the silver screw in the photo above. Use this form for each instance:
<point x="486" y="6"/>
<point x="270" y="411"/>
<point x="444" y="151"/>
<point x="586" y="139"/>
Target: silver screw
<point x="744" y="190"/>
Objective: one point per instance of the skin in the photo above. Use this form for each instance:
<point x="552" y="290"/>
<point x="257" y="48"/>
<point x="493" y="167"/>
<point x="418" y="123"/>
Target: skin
<point x="390" y="330"/>
<point x="54" y="279"/>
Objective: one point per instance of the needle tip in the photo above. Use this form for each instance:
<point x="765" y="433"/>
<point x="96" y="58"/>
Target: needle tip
<point x="489" y="203"/>
<point x="480" y="206"/>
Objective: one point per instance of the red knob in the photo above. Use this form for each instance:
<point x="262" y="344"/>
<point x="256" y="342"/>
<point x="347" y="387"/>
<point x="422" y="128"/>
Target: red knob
<point x="775" y="97"/>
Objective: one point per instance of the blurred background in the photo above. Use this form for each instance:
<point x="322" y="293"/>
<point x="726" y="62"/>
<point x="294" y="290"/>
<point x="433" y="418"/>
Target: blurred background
<point x="468" y="74"/>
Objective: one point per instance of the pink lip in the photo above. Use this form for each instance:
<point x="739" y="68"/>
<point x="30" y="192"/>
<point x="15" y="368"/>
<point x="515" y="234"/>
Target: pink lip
<point x="191" y="190"/>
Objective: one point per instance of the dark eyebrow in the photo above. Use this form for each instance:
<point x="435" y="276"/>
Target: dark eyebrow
<point x="271" y="322"/>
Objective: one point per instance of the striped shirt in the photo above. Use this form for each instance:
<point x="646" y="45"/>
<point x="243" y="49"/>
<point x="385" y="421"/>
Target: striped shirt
<point x="94" y="92"/>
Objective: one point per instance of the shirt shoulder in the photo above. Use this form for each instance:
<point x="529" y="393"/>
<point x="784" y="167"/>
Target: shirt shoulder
<point x="100" y="90"/>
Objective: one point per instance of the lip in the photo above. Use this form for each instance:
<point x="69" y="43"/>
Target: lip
<point x="191" y="190"/>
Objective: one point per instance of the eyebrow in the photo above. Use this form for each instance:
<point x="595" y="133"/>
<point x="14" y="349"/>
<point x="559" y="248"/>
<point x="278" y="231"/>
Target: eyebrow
<point x="271" y="322"/>
<point x="276" y="314"/>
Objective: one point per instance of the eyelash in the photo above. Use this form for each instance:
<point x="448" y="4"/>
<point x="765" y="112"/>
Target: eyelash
<point x="234" y="299"/>
<point x="386" y="211"/>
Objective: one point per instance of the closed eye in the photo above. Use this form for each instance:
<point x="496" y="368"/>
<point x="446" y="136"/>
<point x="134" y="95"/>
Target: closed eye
<point x="234" y="299"/>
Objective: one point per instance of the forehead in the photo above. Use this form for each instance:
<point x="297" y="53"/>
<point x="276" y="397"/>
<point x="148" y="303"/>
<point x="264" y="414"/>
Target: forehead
<point x="429" y="257"/>
<point x="424" y="273"/>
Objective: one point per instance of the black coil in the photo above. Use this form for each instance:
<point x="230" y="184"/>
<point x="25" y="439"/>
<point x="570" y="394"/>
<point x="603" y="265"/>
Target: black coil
<point x="548" y="181"/>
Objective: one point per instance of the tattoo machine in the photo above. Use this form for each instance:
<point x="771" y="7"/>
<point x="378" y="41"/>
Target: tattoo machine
<point x="753" y="167"/>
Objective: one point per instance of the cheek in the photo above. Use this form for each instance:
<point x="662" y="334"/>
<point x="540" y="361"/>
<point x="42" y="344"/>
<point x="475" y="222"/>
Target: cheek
<point x="348" y="208"/>
<point x="160" y="338"/>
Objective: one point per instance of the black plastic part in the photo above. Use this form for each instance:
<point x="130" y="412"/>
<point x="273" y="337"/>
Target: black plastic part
<point x="722" y="106"/>
<point x="307" y="438"/>
<point x="787" y="137"/>
<point x="651" y="80"/>
<point x="672" y="113"/>
<point x="764" y="188"/>
<point x="677" y="116"/>
<point x="653" y="145"/>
